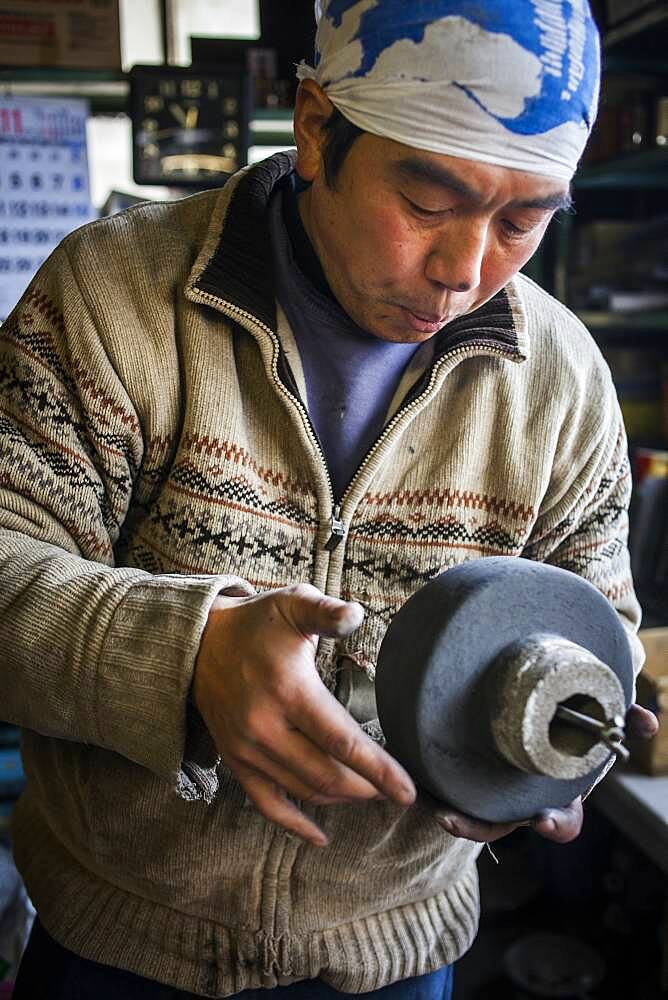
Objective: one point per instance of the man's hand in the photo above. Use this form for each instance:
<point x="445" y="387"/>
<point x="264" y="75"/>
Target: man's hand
<point x="641" y="724"/>
<point x="275" y="724"/>
<point x="559" y="825"/>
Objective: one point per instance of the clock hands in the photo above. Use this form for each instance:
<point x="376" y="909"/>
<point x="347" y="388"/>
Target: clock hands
<point x="188" y="118"/>
<point x="178" y="113"/>
<point x="208" y="127"/>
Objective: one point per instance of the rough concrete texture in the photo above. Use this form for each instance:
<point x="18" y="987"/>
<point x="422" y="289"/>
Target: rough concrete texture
<point x="536" y="677"/>
<point x="438" y="675"/>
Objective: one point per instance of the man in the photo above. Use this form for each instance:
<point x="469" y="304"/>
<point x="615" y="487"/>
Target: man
<point x="239" y="431"/>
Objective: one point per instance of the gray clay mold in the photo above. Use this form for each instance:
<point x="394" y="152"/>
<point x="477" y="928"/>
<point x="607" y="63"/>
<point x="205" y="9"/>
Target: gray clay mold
<point x="472" y="670"/>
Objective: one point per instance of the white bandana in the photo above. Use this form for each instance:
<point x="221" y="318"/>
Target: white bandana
<point x="507" y="82"/>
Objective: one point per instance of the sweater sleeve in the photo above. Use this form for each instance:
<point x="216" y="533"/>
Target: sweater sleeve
<point x="587" y="533"/>
<point x="589" y="536"/>
<point x="90" y="652"/>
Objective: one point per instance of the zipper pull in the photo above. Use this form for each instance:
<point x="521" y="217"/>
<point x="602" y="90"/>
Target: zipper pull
<point x="337" y="528"/>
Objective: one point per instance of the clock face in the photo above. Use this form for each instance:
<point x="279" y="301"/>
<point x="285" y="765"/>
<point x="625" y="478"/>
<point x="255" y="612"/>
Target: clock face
<point x="189" y="128"/>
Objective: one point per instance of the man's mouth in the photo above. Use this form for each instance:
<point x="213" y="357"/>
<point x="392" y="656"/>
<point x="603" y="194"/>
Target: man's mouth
<point x="423" y="322"/>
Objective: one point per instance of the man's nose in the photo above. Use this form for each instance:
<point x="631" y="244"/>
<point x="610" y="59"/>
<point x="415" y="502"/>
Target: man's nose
<point x="455" y="259"/>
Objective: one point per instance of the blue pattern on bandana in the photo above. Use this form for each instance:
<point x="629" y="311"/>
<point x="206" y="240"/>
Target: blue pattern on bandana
<point x="550" y="40"/>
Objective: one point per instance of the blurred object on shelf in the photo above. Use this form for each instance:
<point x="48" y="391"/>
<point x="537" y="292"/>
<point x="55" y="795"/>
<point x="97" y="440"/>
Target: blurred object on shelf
<point x="619" y="266"/>
<point x="604" y="142"/>
<point x="648" y="532"/>
<point x="544" y="964"/>
<point x="646" y="460"/>
<point x="661" y="122"/>
<point x="651" y="756"/>
<point x="641" y="416"/>
<point x="637" y="377"/>
<point x="630" y="116"/>
<point x="71" y="34"/>
<point x="620" y="10"/>
<point x="636" y="302"/>
<point x="596" y="239"/>
<point x="261" y="65"/>
<point x="259" y="62"/>
<point x="635" y="120"/>
<point x="630" y="120"/>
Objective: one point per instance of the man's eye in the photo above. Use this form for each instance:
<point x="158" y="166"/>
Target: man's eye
<point x="425" y="213"/>
<point x="515" y="232"/>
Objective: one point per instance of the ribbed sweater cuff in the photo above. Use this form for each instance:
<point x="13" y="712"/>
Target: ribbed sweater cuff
<point x="144" y="674"/>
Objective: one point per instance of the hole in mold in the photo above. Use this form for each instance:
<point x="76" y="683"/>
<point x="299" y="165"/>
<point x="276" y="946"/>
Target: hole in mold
<point x="572" y="740"/>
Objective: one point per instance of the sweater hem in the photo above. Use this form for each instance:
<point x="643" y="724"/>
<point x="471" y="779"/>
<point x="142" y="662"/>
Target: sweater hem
<point x="110" y="925"/>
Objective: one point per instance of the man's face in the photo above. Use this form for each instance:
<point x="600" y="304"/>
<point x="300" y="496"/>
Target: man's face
<point x="409" y="240"/>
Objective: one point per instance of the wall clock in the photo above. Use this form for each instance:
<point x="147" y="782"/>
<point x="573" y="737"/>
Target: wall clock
<point x="189" y="124"/>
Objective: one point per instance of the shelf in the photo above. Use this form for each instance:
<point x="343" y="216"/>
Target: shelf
<point x="631" y="322"/>
<point x="648" y="169"/>
<point x="638" y="805"/>
<point x="272" y="127"/>
<point x="643" y="65"/>
<point x="109" y="93"/>
<point x="106" y="91"/>
<point x="630" y="30"/>
<point x="282" y="115"/>
<point x="57" y="74"/>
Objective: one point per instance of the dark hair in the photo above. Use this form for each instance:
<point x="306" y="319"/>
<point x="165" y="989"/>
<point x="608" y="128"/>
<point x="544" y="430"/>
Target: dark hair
<point x="339" y="137"/>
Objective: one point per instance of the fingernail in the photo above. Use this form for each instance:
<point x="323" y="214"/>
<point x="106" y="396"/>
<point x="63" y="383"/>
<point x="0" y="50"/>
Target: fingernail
<point x="351" y="612"/>
<point x="546" y="822"/>
<point x="407" y="795"/>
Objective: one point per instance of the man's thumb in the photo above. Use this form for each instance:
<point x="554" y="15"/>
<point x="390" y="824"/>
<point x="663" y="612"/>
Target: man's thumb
<point x="314" y="613"/>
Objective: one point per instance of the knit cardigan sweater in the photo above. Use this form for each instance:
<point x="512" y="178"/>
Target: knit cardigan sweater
<point x="155" y="450"/>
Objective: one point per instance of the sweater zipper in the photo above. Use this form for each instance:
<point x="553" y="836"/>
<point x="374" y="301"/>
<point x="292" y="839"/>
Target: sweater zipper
<point x="415" y="403"/>
<point x="337" y="526"/>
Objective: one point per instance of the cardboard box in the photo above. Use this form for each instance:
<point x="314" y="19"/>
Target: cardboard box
<point x="652" y="692"/>
<point x="72" y="34"/>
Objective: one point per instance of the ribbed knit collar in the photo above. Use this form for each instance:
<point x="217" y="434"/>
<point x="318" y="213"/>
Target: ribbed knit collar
<point x="236" y="267"/>
<point x="301" y="249"/>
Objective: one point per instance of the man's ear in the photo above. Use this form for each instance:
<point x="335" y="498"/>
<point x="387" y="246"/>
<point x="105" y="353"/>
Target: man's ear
<point x="312" y="110"/>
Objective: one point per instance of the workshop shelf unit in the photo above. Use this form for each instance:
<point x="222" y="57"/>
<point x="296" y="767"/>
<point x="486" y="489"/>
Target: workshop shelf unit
<point x="629" y="186"/>
<point x="108" y="93"/>
<point x="608" y="259"/>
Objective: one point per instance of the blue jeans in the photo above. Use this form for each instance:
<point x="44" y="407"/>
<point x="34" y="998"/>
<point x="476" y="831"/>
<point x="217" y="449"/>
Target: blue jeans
<point x="50" y="972"/>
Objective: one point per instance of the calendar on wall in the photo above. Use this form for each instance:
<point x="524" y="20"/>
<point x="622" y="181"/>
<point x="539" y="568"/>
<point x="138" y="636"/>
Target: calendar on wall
<point x="44" y="189"/>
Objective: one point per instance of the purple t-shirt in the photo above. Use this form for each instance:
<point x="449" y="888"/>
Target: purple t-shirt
<point x="350" y="375"/>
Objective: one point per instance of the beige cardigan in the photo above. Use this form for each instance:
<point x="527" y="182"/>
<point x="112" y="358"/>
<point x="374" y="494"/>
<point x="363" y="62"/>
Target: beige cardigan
<point x="154" y="450"/>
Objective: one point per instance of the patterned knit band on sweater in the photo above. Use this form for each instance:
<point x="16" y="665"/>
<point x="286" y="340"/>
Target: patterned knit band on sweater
<point x="507" y="82"/>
